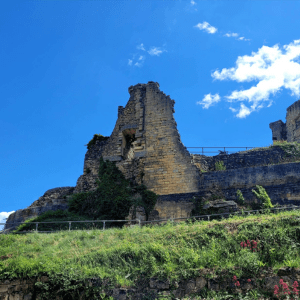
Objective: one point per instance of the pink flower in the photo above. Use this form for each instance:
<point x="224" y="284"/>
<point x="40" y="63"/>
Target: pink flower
<point x="295" y="284"/>
<point x="249" y="280"/>
<point x="281" y="281"/>
<point x="234" y="277"/>
<point x="237" y="283"/>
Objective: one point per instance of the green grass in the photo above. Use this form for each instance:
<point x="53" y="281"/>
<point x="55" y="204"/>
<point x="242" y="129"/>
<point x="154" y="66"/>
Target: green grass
<point x="174" y="251"/>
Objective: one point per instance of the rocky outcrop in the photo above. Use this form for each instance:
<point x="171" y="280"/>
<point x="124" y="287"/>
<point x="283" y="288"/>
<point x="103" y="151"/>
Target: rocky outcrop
<point x="53" y="199"/>
<point x="220" y="206"/>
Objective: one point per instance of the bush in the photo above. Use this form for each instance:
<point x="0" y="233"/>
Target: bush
<point x="113" y="197"/>
<point x="97" y="137"/>
<point x="219" y="165"/>
<point x="263" y="197"/>
<point x="240" y="199"/>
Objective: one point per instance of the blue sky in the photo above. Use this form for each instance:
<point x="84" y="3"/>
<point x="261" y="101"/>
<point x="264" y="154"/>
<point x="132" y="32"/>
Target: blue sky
<point x="232" y="67"/>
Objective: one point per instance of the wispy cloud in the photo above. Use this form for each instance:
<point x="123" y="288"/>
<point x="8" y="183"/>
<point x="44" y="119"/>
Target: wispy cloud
<point x="138" y="62"/>
<point x="243" y="39"/>
<point x="193" y="2"/>
<point x="206" y="27"/>
<point x="231" y="34"/>
<point x="3" y="216"/>
<point x="155" y="51"/>
<point x="234" y="34"/>
<point x="272" y="67"/>
<point x="209" y="100"/>
<point x="141" y="47"/>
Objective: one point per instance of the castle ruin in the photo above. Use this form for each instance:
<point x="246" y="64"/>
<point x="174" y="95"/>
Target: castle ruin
<point x="289" y="131"/>
<point x="146" y="146"/>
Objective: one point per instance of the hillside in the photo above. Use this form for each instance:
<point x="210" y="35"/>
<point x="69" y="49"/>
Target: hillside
<point x="158" y="259"/>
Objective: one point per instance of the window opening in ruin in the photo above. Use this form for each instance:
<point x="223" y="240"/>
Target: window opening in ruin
<point x="127" y="143"/>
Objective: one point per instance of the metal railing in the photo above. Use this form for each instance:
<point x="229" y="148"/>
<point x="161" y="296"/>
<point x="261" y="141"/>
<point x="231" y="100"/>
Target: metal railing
<point x="140" y="223"/>
<point x="225" y="152"/>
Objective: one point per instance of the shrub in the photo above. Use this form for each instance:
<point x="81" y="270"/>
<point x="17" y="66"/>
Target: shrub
<point x="97" y="137"/>
<point x="113" y="197"/>
<point x="240" y="198"/>
<point x="263" y="196"/>
<point x="219" y="165"/>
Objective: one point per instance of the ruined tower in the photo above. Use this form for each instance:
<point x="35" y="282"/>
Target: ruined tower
<point x="146" y="145"/>
<point x="289" y="131"/>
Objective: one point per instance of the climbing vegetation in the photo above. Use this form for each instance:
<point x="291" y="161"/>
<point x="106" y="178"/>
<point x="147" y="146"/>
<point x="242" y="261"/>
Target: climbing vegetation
<point x="97" y="137"/>
<point x="113" y="197"/>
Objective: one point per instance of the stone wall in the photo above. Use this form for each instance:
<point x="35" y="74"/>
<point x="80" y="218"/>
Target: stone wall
<point x="289" y="131"/>
<point x="146" y="145"/>
<point x="25" y="289"/>
<point x="243" y="159"/>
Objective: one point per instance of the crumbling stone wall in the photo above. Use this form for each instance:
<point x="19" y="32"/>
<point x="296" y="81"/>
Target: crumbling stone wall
<point x="146" y="145"/>
<point x="289" y="131"/>
<point x="238" y="160"/>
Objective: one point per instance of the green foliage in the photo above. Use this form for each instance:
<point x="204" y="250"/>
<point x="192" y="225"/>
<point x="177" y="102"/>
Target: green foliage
<point x="97" y="137"/>
<point x="175" y="251"/>
<point x="263" y="197"/>
<point x="240" y="199"/>
<point x="57" y="215"/>
<point x="113" y="197"/>
<point x="219" y="166"/>
<point x="198" y="206"/>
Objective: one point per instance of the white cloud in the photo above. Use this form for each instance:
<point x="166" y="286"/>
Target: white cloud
<point x="141" y="47"/>
<point x="272" y="67"/>
<point x="231" y="34"/>
<point x="209" y="100"/>
<point x="207" y="27"/>
<point x="138" y="60"/>
<point x="3" y="216"/>
<point x="193" y="2"/>
<point x="242" y="38"/>
<point x="155" y="51"/>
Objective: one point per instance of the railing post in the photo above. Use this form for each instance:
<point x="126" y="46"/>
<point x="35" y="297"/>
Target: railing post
<point x="36" y="227"/>
<point x="103" y="225"/>
<point x="70" y="226"/>
<point x="202" y="150"/>
<point x="208" y="218"/>
<point x="139" y="223"/>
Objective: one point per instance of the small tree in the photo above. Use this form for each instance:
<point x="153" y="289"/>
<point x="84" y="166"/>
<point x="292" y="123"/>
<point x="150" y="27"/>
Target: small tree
<point x="240" y="199"/>
<point x="263" y="196"/>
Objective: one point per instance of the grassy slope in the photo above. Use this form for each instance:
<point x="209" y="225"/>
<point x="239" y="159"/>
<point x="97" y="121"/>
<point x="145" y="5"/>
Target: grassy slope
<point x="170" y="251"/>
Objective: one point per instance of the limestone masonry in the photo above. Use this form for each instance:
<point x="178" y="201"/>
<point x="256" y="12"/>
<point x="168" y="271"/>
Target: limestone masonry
<point x="289" y="131"/>
<point x="146" y="146"/>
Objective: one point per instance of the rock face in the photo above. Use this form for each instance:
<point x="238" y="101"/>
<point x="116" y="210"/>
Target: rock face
<point x="53" y="199"/>
<point x="289" y="131"/>
<point x="220" y="206"/>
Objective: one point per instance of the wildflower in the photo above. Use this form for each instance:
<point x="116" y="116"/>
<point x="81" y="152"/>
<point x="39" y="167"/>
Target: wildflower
<point x="249" y="280"/>
<point x="234" y="277"/>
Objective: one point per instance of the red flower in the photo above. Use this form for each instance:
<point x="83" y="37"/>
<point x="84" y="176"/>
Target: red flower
<point x="249" y="280"/>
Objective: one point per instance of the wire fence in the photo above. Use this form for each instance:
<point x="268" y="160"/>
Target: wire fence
<point x="221" y="152"/>
<point x="140" y="223"/>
